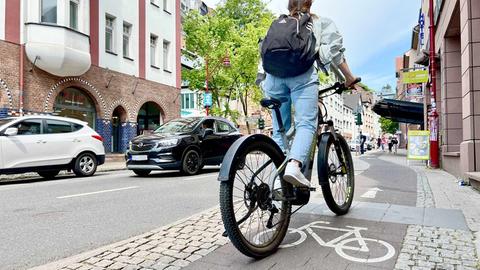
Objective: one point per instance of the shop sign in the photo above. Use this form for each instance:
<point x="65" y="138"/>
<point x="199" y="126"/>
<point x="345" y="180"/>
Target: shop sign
<point x="421" y="23"/>
<point x="207" y="100"/>
<point x="417" y="76"/>
<point x="418" y="145"/>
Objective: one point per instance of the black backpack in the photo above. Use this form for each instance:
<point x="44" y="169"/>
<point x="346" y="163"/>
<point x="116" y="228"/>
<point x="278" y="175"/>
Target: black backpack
<point x="288" y="50"/>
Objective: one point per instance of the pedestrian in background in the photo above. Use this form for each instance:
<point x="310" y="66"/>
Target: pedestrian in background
<point x="379" y="143"/>
<point x="363" y="140"/>
<point x="384" y="142"/>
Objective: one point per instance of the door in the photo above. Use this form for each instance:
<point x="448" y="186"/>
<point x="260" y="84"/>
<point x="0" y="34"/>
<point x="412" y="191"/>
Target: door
<point x="223" y="129"/>
<point x="209" y="143"/>
<point x="60" y="141"/>
<point x="27" y="148"/>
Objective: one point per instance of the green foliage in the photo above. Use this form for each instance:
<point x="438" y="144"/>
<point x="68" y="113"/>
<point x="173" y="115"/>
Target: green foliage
<point x="368" y="89"/>
<point x="232" y="30"/>
<point x="388" y="126"/>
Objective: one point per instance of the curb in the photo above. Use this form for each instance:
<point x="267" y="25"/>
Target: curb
<point x="21" y="178"/>
<point x="85" y="255"/>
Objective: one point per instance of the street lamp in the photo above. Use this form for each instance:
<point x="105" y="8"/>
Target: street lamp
<point x="226" y="64"/>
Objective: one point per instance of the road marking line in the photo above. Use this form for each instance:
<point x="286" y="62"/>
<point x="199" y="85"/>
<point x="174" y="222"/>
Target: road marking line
<point x="371" y="194"/>
<point x="215" y="175"/>
<point x="96" y="192"/>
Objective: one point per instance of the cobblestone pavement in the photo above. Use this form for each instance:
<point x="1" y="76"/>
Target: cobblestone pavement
<point x="171" y="247"/>
<point x="427" y="248"/>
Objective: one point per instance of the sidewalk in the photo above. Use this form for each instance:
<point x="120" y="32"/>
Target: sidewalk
<point x="107" y="167"/>
<point x="439" y="189"/>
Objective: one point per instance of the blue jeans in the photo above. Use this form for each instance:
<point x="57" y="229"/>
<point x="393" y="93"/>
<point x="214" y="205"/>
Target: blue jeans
<point x="302" y="93"/>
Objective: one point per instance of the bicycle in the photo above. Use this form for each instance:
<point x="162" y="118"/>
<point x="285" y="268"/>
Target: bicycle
<point x="252" y="187"/>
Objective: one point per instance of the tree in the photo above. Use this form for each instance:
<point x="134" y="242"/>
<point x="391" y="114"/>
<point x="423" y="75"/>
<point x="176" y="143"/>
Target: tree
<point x="388" y="126"/>
<point x="233" y="30"/>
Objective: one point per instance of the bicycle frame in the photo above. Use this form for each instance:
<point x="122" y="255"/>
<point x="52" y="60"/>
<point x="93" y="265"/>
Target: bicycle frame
<point x="323" y="127"/>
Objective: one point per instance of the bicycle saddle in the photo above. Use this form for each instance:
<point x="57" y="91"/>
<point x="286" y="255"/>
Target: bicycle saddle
<point x="271" y="103"/>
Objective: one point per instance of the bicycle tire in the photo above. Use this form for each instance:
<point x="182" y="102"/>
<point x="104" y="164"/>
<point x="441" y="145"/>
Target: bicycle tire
<point x="227" y="202"/>
<point x="325" y="170"/>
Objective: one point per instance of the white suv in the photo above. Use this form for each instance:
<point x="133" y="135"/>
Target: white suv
<point x="48" y="144"/>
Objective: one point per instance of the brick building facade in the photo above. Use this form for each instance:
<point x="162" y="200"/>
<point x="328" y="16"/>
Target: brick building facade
<point x="457" y="36"/>
<point x="120" y="97"/>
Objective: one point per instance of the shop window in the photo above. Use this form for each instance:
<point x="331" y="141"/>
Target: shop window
<point x="76" y="104"/>
<point x="188" y="101"/>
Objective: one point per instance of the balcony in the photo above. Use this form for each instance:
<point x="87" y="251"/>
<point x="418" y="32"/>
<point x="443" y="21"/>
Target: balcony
<point x="57" y="49"/>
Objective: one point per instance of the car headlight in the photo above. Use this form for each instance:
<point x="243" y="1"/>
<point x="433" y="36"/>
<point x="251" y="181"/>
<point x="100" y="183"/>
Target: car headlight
<point x="168" y="143"/>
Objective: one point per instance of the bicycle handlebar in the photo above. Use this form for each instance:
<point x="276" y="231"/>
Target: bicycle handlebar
<point x="338" y="87"/>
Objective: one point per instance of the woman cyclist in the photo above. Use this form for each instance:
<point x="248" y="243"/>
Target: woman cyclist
<point x="302" y="91"/>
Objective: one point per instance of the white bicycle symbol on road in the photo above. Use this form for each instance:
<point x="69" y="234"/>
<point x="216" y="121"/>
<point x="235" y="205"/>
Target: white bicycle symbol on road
<point x="341" y="243"/>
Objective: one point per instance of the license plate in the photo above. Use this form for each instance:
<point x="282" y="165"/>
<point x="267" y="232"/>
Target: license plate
<point x="140" y="158"/>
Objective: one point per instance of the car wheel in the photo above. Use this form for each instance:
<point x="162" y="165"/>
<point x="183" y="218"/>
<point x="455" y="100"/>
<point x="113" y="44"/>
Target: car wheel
<point x="191" y="163"/>
<point x="142" y="173"/>
<point x="85" y="165"/>
<point x="48" y="174"/>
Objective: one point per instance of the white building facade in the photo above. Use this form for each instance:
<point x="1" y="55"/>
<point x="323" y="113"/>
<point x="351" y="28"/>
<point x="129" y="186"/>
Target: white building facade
<point x="112" y="63"/>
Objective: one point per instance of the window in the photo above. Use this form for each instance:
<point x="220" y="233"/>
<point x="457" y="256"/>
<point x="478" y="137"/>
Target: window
<point x="29" y="127"/>
<point x="57" y="127"/>
<point x="49" y="11"/>
<point x="165" y="5"/>
<point x="74" y="14"/>
<point x="153" y="50"/>
<point x="166" y="56"/>
<point x="188" y="101"/>
<point x="127" y="30"/>
<point x="109" y="33"/>
<point x="222" y="127"/>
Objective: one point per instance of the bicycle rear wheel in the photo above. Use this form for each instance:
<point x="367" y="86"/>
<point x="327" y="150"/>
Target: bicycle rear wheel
<point x="335" y="164"/>
<point x="253" y="203"/>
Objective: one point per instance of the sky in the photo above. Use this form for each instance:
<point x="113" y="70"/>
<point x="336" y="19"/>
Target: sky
<point x="374" y="31"/>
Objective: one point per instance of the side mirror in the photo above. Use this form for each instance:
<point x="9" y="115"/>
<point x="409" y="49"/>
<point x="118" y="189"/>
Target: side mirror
<point x="11" y="131"/>
<point x="207" y="132"/>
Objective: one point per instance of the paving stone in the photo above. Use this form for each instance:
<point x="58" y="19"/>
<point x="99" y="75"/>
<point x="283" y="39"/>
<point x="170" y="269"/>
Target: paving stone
<point x="93" y="260"/>
<point x="104" y="263"/>
<point x="173" y="268"/>
<point x="142" y="254"/>
<point x="131" y="267"/>
<point x="166" y="259"/>
<point x="190" y="249"/>
<point x="159" y="266"/>
<point x="194" y="257"/>
<point x="153" y="256"/>
<point x="119" y="249"/>
<point x="176" y="254"/>
<point x="135" y="260"/>
<point x="111" y="256"/>
<point x="181" y="263"/>
<point x="117" y="266"/>
<point x="147" y="263"/>
<point x="129" y="251"/>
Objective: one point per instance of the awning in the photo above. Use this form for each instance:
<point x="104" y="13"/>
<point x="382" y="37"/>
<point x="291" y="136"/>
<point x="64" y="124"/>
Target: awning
<point x="400" y="111"/>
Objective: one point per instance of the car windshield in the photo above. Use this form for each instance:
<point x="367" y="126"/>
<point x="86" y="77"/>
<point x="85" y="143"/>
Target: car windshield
<point x="178" y="125"/>
<point x="5" y="121"/>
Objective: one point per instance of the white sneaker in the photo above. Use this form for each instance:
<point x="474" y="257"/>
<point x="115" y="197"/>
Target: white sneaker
<point x="294" y="176"/>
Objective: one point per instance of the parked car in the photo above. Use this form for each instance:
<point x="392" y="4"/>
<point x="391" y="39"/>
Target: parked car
<point x="49" y="144"/>
<point x="185" y="144"/>
<point x="354" y="146"/>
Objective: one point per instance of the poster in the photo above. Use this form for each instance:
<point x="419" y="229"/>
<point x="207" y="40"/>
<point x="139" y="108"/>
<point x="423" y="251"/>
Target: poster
<point x="418" y="145"/>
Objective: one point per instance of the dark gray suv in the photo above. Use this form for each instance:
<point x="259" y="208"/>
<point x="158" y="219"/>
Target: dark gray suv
<point x="186" y="144"/>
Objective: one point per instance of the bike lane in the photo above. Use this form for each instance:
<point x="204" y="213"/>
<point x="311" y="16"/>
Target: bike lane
<point x="371" y="236"/>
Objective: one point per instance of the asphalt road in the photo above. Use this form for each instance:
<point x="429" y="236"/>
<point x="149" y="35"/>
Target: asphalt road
<point x="43" y="221"/>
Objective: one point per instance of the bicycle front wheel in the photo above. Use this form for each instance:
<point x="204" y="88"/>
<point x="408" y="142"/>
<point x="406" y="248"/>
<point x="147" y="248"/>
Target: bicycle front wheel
<point x="253" y="203"/>
<point x="335" y="164"/>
